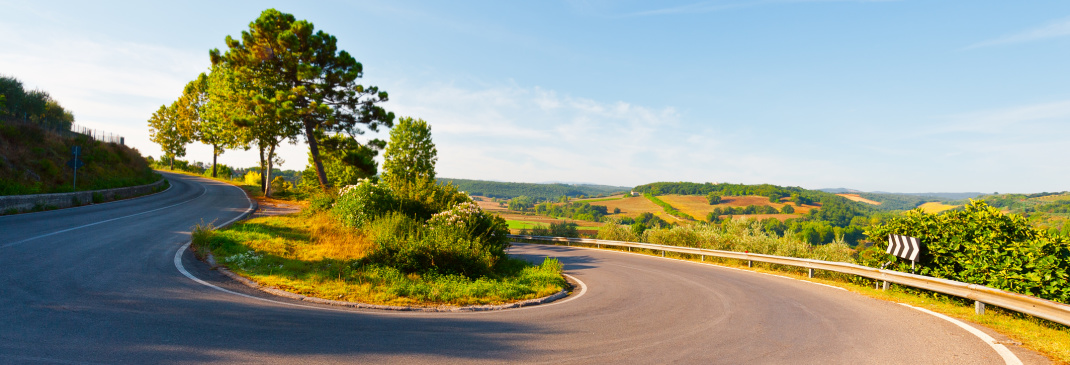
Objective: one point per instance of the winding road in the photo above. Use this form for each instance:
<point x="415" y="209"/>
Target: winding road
<point x="100" y="284"/>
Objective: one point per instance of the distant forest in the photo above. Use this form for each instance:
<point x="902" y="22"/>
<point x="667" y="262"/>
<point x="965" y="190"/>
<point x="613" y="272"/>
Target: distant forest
<point x="538" y="192"/>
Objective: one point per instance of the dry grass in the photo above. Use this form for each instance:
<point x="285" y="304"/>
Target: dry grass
<point x="698" y="207"/>
<point x="858" y="198"/>
<point x="935" y="207"/>
<point x="1052" y="198"/>
<point x="635" y="205"/>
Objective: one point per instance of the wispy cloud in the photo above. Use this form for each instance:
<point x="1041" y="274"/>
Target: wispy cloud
<point x="1060" y="28"/>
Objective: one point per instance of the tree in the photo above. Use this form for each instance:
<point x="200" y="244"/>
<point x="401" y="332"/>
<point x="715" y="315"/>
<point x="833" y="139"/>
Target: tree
<point x="713" y="198"/>
<point x="410" y="156"/>
<point x="165" y="129"/>
<point x="787" y="209"/>
<point x="345" y="160"/>
<point x="311" y="80"/>
<point x="210" y="120"/>
<point x="248" y="97"/>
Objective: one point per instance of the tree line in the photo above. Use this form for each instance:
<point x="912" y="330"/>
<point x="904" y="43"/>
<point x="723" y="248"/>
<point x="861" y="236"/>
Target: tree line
<point x="536" y="192"/>
<point x="281" y="82"/>
<point x="32" y="106"/>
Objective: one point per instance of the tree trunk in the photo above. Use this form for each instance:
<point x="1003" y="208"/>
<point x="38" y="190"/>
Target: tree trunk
<point x="215" y="154"/>
<point x="172" y="163"/>
<point x="267" y="173"/>
<point x="263" y="188"/>
<point x="314" y="150"/>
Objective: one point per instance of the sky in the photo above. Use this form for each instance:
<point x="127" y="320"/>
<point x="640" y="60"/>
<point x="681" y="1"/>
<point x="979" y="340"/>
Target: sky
<point x="900" y="96"/>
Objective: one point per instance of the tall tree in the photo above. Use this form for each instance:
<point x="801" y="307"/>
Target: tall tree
<point x="314" y="83"/>
<point x="345" y="160"/>
<point x="411" y="155"/>
<point x="211" y="121"/>
<point x="166" y="130"/>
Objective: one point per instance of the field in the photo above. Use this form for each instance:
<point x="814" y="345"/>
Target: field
<point x="635" y="205"/>
<point x="1052" y="198"/>
<point x="936" y="207"/>
<point x="698" y="207"/>
<point x="857" y="198"/>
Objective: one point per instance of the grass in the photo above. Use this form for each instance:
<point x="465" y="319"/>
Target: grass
<point x="859" y="198"/>
<point x="315" y="255"/>
<point x="936" y="207"/>
<point x="522" y="224"/>
<point x="1045" y="337"/>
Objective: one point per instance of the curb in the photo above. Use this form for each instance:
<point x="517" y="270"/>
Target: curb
<point x="210" y="260"/>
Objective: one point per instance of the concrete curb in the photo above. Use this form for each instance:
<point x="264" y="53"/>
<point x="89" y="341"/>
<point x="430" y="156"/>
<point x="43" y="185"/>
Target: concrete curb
<point x="208" y="258"/>
<point x="26" y="203"/>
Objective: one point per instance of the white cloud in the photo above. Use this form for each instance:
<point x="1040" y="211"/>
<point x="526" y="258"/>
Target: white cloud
<point x="1060" y="28"/>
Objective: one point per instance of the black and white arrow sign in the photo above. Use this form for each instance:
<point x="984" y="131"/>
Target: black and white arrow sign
<point x="905" y="247"/>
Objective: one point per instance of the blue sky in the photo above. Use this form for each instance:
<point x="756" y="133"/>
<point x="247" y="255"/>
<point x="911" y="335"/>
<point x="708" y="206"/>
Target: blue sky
<point x="904" y="96"/>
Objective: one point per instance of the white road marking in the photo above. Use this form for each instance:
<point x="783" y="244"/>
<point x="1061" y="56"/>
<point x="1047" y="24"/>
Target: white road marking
<point x="102" y="222"/>
<point x="1008" y="357"/>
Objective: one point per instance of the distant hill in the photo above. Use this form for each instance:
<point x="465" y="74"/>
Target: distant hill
<point x="903" y="201"/>
<point x="509" y="190"/>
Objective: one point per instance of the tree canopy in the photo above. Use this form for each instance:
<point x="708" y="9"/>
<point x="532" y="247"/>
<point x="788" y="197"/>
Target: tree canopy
<point x="411" y="155"/>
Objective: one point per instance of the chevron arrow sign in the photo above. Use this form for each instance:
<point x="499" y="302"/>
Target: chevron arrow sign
<point x="904" y="247"/>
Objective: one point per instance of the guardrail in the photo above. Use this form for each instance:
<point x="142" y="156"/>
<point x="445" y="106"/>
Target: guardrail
<point x="981" y="295"/>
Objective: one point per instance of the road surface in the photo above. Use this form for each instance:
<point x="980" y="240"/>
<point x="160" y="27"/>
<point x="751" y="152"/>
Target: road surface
<point x="99" y="284"/>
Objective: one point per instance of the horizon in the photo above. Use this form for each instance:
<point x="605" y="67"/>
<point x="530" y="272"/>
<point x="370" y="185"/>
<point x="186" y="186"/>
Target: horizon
<point x="888" y="96"/>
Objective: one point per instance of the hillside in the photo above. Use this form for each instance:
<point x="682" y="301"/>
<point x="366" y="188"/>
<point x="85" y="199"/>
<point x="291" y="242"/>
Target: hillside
<point x="509" y="190"/>
<point x="33" y="160"/>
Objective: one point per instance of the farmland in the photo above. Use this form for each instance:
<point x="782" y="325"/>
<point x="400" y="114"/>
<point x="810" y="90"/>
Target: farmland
<point x="936" y="207"/>
<point x="859" y="198"/>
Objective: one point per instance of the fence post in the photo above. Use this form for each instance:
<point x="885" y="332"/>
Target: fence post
<point x="810" y="273"/>
<point x="979" y="307"/>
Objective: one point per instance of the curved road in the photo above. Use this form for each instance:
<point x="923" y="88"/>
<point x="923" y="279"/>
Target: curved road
<point x="98" y="284"/>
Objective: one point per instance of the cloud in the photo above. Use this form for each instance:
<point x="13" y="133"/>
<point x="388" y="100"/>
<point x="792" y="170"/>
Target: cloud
<point x="1060" y="28"/>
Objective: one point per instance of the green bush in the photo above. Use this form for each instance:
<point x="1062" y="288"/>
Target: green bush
<point x="981" y="245"/>
<point x="450" y="245"/>
<point x="359" y="204"/>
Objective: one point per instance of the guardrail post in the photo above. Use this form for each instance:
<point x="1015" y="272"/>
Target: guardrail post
<point x="662" y="253"/>
<point x="885" y="285"/>
<point x="748" y="263"/>
<point x="703" y="258"/>
<point x="810" y="273"/>
<point x="979" y="307"/>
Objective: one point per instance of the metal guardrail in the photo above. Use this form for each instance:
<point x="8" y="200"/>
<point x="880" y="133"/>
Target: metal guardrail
<point x="1040" y="308"/>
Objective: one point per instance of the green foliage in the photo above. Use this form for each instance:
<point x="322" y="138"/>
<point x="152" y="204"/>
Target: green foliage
<point x="35" y="107"/>
<point x="583" y="211"/>
<point x="713" y="198"/>
<point x="345" y="161"/>
<point x="981" y="245"/>
<point x="171" y="133"/>
<point x="280" y="186"/>
<point x="34" y="161"/>
<point x="360" y="204"/>
<point x="536" y="192"/>
<point x="252" y="178"/>
<point x="521" y="203"/>
<point x="787" y="209"/>
<point x="463" y="240"/>
<point x="556" y="229"/>
<point x="309" y="83"/>
<point x="410" y="156"/>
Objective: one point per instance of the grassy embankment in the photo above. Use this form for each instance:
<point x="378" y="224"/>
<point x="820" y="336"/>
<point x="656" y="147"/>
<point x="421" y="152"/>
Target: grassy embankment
<point x="33" y="160"/>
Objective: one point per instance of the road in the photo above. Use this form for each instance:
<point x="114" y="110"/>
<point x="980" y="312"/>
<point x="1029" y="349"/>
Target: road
<point x="99" y="284"/>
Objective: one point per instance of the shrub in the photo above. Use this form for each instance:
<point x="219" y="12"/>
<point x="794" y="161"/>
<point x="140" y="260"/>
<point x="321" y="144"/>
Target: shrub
<point x="981" y="245"/>
<point x="252" y="178"/>
<point x="439" y="247"/>
<point x="279" y="185"/>
<point x="361" y="203"/>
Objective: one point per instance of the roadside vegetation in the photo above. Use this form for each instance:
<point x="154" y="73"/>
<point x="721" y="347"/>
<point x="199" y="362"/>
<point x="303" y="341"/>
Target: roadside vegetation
<point x="402" y="240"/>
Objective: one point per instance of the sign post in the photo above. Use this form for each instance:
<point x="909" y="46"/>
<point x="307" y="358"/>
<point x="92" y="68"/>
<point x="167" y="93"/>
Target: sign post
<point x="75" y="163"/>
<point x="905" y="247"/>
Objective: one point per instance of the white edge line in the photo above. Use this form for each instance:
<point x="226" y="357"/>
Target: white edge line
<point x="182" y="269"/>
<point x="104" y="221"/>
<point x="1008" y="357"/>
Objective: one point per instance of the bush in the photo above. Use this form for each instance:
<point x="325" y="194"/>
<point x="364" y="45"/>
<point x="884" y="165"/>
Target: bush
<point x="362" y="203"/>
<point x="279" y="185"/>
<point x="462" y="241"/>
<point x="252" y="178"/>
<point x="981" y="245"/>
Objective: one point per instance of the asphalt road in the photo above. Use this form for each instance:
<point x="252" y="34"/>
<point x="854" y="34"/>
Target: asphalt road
<point x="98" y="284"/>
